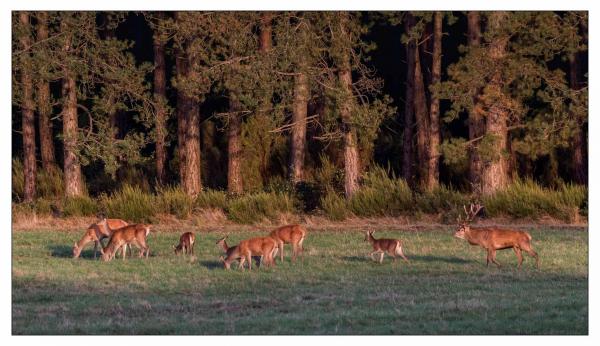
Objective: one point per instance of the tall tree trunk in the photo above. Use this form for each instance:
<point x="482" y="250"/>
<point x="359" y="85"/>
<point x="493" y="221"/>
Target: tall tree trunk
<point x="351" y="157"/>
<point x="579" y="138"/>
<point x="409" y="103"/>
<point x="495" y="169"/>
<point x="192" y="180"/>
<point x="43" y="103"/>
<point x="422" y="121"/>
<point x="27" y="109"/>
<point x="266" y="32"/>
<point x="476" y="120"/>
<point x="234" y="148"/>
<point x="160" y="99"/>
<point x="433" y="169"/>
<point x="300" y="112"/>
<point x="72" y="169"/>
<point x="181" y="111"/>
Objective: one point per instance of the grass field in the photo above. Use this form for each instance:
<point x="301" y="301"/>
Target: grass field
<point x="445" y="289"/>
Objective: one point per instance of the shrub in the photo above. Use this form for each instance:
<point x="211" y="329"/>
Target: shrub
<point x="381" y="195"/>
<point x="173" y="200"/>
<point x="440" y="200"/>
<point x="211" y="199"/>
<point x="335" y="206"/>
<point x="80" y="206"/>
<point x="130" y="203"/>
<point x="258" y="206"/>
<point x="18" y="180"/>
<point x="528" y="199"/>
<point x="50" y="183"/>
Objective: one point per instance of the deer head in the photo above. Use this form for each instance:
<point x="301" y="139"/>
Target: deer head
<point x="464" y="225"/>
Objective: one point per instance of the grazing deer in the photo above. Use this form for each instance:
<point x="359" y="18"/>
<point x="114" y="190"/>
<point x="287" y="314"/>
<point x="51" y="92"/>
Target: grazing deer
<point x="265" y="247"/>
<point x="290" y="234"/>
<point x="186" y="243"/>
<point x="97" y="232"/>
<point x="393" y="247"/>
<point x="129" y="235"/>
<point x="493" y="239"/>
<point x="232" y="253"/>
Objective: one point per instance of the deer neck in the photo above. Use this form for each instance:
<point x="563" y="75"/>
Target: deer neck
<point x="224" y="245"/>
<point x="371" y="239"/>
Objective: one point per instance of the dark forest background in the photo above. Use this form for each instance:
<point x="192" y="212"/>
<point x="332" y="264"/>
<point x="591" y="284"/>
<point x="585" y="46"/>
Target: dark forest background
<point x="365" y="113"/>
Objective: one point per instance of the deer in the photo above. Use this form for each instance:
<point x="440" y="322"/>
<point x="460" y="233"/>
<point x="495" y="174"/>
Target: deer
<point x="96" y="232"/>
<point x="186" y="243"/>
<point x="135" y="234"/>
<point x="393" y="247"/>
<point x="290" y="234"/>
<point x="493" y="239"/>
<point x="265" y="247"/>
<point x="232" y="253"/>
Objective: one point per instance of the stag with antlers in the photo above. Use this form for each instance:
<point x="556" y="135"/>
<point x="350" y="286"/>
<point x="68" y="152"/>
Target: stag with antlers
<point x="493" y="239"/>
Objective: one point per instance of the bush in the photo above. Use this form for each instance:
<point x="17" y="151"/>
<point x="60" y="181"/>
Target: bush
<point x="258" y="206"/>
<point x="131" y="204"/>
<point x="440" y="200"/>
<point x="18" y="180"/>
<point x="528" y="199"/>
<point x="335" y="206"/>
<point x="80" y="206"/>
<point x="211" y="199"/>
<point x="173" y="200"/>
<point x="381" y="195"/>
<point x="50" y="183"/>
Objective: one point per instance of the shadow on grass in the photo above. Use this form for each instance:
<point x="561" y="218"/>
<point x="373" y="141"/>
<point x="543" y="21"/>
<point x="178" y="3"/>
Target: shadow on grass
<point x="427" y="258"/>
<point x="212" y="265"/>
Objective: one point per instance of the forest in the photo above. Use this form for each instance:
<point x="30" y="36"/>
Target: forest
<point x="344" y="114"/>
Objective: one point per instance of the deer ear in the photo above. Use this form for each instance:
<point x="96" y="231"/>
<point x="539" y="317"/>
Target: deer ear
<point x="74" y="245"/>
<point x="222" y="259"/>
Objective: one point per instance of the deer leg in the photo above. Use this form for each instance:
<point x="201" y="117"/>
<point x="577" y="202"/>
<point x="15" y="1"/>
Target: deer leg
<point x="371" y="255"/>
<point x="280" y="246"/>
<point x="494" y="258"/>
<point x="487" y="260"/>
<point x="381" y="257"/>
<point x="95" y="248"/>
<point x="519" y="256"/>
<point x="401" y="253"/>
<point x="294" y="251"/>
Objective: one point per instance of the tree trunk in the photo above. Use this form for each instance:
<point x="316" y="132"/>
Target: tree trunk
<point x="433" y="169"/>
<point x="182" y="109"/>
<point x="495" y="169"/>
<point x="409" y="104"/>
<point x="422" y="121"/>
<point x="300" y="112"/>
<point x="476" y="121"/>
<point x="266" y="32"/>
<point x="72" y="169"/>
<point x="192" y="180"/>
<point x="27" y="109"/>
<point x="234" y="148"/>
<point x="351" y="157"/>
<point x="160" y="99"/>
<point x="579" y="140"/>
<point x="44" y="106"/>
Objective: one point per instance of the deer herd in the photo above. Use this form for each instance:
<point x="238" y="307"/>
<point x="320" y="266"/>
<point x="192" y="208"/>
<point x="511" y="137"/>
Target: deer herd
<point x="122" y="235"/>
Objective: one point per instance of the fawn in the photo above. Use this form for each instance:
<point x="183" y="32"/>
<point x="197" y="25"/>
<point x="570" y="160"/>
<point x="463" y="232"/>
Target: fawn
<point x="97" y="232"/>
<point x="186" y="243"/>
<point x="290" y="234"/>
<point x="232" y="253"/>
<point x="493" y="239"/>
<point x="132" y="234"/>
<point x="393" y="247"/>
<point x="262" y="246"/>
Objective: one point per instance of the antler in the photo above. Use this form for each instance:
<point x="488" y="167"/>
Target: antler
<point x="473" y="210"/>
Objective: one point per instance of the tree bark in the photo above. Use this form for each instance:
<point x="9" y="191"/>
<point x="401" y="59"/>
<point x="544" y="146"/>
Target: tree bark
<point x="495" y="169"/>
<point x="351" y="157"/>
<point x="160" y="99"/>
<point x="422" y="121"/>
<point x="192" y="180"/>
<point x="181" y="111"/>
<point x="234" y="148"/>
<point x="72" y="169"/>
<point x="409" y="104"/>
<point x="27" y="109"/>
<point x="433" y="169"/>
<point x="579" y="140"/>
<point x="300" y="112"/>
<point x="476" y="120"/>
<point x="43" y="104"/>
<point x="266" y="32"/>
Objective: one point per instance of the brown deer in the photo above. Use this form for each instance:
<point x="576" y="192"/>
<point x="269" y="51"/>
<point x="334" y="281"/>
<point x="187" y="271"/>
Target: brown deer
<point x="493" y="239"/>
<point x="232" y="253"/>
<point x="261" y="246"/>
<point x="393" y="247"/>
<point x="96" y="232"/>
<point x="186" y="243"/>
<point x="290" y="234"/>
<point x="129" y="235"/>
